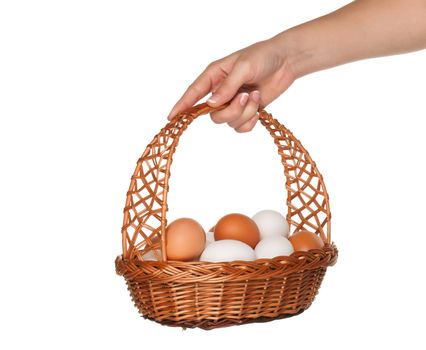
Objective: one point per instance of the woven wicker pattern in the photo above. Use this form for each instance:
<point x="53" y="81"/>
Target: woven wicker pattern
<point x="210" y="295"/>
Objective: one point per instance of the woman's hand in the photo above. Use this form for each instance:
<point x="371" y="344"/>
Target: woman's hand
<point x="256" y="75"/>
<point x="250" y="78"/>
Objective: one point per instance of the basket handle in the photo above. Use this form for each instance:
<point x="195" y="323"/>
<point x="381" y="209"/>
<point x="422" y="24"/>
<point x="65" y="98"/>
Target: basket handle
<point x="146" y="203"/>
<point x="200" y="109"/>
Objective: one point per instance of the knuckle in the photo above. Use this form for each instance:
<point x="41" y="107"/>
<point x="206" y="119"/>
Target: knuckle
<point x="233" y="124"/>
<point x="245" y="127"/>
<point x="241" y="129"/>
<point x="211" y="65"/>
<point x="216" y="119"/>
<point x="194" y="88"/>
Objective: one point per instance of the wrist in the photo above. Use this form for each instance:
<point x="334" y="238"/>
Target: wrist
<point x="301" y="53"/>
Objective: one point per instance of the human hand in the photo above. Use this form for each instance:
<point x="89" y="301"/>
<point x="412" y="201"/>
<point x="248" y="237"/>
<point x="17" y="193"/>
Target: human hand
<point x="254" y="76"/>
<point x="250" y="79"/>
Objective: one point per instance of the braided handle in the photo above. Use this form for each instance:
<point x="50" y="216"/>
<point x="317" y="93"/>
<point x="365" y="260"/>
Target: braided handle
<point x="146" y="206"/>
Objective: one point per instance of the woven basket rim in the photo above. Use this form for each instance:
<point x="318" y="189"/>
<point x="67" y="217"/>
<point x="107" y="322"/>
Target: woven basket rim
<point x="211" y="272"/>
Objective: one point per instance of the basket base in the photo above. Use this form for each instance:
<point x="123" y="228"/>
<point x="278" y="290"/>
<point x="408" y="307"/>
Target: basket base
<point x="208" y="324"/>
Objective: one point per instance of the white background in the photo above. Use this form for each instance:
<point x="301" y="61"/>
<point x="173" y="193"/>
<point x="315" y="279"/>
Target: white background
<point x="85" y="86"/>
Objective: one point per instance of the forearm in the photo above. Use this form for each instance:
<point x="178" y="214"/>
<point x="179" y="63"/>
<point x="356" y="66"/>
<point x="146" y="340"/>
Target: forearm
<point x="362" y="29"/>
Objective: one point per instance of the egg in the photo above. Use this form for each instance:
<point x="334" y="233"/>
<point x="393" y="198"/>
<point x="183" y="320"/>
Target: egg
<point x="227" y="250"/>
<point x="151" y="255"/>
<point x="271" y="223"/>
<point x="237" y="227"/>
<point x="209" y="237"/>
<point x="270" y="247"/>
<point x="305" y="240"/>
<point x="185" y="240"/>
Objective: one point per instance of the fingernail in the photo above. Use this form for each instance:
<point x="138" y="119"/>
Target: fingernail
<point x="244" y="98"/>
<point x="212" y="99"/>
<point x="255" y="96"/>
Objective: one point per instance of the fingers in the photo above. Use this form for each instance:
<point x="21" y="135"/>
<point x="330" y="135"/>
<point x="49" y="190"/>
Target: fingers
<point x="197" y="90"/>
<point x="248" y="119"/>
<point x="241" y="114"/>
<point x="248" y="125"/>
<point x="206" y="82"/>
<point x="216" y="78"/>
<point x="233" y="112"/>
<point x="239" y="75"/>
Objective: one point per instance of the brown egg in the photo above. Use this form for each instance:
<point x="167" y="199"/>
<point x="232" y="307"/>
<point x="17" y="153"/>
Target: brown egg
<point x="212" y="229"/>
<point x="305" y="240"/>
<point x="185" y="240"/>
<point x="237" y="226"/>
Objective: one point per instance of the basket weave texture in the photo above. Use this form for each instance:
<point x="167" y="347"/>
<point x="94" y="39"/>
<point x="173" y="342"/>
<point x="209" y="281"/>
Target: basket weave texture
<point x="210" y="295"/>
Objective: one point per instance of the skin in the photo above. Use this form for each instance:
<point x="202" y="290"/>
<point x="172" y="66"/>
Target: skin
<point x="254" y="76"/>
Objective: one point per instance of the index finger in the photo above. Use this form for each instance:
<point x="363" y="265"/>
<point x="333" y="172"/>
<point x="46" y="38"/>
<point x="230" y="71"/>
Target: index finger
<point x="197" y="90"/>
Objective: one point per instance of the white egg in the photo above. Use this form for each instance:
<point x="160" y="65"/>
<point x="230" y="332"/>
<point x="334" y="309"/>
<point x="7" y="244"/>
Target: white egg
<point x="151" y="255"/>
<point x="209" y="238"/>
<point x="227" y="250"/>
<point x="271" y="223"/>
<point x="270" y="247"/>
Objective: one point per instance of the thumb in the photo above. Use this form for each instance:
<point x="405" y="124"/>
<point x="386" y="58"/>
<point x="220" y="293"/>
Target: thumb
<point x="239" y="75"/>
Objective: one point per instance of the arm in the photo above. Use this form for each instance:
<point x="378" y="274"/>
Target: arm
<point x="256" y="75"/>
<point x="362" y="29"/>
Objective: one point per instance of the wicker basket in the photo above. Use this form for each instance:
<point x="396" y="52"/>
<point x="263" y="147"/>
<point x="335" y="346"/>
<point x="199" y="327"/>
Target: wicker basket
<point x="210" y="295"/>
